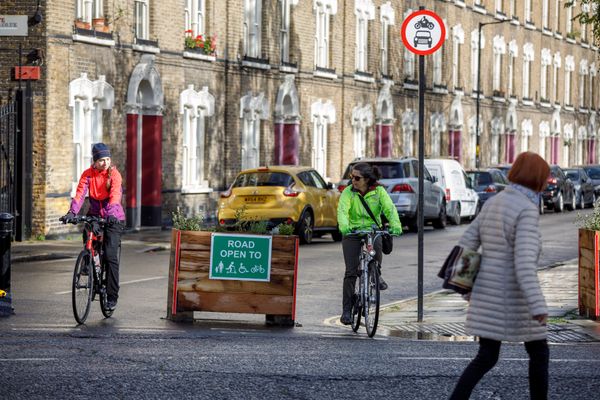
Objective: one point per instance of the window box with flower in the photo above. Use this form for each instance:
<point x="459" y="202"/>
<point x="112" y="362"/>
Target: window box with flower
<point x="201" y="47"/>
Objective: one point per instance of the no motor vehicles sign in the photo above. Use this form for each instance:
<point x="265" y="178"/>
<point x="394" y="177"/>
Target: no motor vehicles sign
<point x="423" y="32"/>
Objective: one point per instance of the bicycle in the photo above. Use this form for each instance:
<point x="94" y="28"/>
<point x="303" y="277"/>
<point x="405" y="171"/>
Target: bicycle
<point x="90" y="273"/>
<point x="365" y="300"/>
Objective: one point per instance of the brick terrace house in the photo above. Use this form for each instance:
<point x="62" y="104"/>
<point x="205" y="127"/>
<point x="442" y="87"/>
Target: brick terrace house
<point x="310" y="82"/>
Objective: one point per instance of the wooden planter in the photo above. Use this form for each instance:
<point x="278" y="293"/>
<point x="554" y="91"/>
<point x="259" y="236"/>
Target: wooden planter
<point x="589" y="292"/>
<point x="190" y="288"/>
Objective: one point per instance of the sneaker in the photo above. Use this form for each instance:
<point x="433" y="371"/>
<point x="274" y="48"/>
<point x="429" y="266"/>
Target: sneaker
<point x="111" y="305"/>
<point x="382" y="284"/>
<point x="346" y="318"/>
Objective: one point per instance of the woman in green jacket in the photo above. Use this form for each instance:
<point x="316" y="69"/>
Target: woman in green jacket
<point x="352" y="216"/>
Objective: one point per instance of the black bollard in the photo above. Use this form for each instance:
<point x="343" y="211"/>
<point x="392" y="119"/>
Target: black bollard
<point x="6" y="227"/>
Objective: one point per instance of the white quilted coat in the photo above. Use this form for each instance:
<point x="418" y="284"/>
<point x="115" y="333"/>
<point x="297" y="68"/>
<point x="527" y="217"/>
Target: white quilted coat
<point x="507" y="293"/>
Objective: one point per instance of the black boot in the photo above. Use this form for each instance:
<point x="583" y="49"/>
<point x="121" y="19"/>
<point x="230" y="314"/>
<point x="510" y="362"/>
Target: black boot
<point x="346" y="318"/>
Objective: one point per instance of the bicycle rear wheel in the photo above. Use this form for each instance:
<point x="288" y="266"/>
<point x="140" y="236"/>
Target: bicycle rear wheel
<point x="372" y="301"/>
<point x="83" y="286"/>
<point x="356" y="305"/>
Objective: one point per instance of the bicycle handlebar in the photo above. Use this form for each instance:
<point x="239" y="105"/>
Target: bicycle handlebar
<point x="83" y="218"/>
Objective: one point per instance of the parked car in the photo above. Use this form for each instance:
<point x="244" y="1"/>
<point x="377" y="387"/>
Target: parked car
<point x="277" y="194"/>
<point x="462" y="201"/>
<point x="504" y="168"/>
<point x="487" y="182"/>
<point x="401" y="180"/>
<point x="584" y="189"/>
<point x="593" y="171"/>
<point x="560" y="191"/>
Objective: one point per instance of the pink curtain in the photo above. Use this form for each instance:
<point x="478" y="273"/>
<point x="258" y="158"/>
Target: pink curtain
<point x="554" y="147"/>
<point x="287" y="137"/>
<point x="383" y="140"/>
<point x="591" y="158"/>
<point x="454" y="146"/>
<point x="509" y="149"/>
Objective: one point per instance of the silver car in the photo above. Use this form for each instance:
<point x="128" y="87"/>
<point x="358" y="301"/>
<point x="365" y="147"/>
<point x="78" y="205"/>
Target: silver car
<point x="400" y="178"/>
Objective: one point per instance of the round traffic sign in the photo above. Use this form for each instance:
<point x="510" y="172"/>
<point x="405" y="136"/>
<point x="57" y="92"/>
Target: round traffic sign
<point x="423" y="32"/>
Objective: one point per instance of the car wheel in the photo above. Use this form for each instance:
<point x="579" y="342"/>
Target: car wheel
<point x="306" y="227"/>
<point x="593" y="199"/>
<point x="455" y="217"/>
<point x="541" y="206"/>
<point x="441" y="221"/>
<point x="559" y="203"/>
<point x="581" y="203"/>
<point x="337" y="236"/>
<point x="573" y="204"/>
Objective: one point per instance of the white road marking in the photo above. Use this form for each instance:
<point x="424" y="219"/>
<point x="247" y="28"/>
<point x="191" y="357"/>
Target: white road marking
<point x="154" y="278"/>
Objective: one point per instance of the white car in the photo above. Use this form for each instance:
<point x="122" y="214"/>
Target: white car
<point x="462" y="201"/>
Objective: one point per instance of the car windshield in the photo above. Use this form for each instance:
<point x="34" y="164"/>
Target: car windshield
<point x="573" y="175"/>
<point x="389" y="170"/>
<point x="480" y="178"/>
<point x="594" y="173"/>
<point x="263" y="179"/>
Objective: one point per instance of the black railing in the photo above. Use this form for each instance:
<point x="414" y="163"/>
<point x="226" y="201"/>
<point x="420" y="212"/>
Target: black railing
<point x="8" y="135"/>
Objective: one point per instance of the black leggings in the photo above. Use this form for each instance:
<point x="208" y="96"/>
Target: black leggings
<point x="351" y="247"/>
<point x="487" y="357"/>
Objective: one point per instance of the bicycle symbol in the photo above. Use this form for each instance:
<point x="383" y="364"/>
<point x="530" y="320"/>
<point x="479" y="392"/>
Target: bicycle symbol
<point x="425" y="23"/>
<point x="257" y="268"/>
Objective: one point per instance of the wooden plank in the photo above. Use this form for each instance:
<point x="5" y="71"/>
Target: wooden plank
<point x="234" y="302"/>
<point x="280" y="287"/>
<point x="587" y="239"/>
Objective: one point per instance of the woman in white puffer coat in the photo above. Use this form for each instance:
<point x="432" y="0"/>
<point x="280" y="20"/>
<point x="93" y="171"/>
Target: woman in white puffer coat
<point x="507" y="303"/>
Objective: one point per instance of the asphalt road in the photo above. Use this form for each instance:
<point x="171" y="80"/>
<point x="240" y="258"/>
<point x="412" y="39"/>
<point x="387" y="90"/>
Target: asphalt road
<point x="138" y="354"/>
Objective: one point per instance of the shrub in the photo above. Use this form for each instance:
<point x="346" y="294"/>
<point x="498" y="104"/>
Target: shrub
<point x="183" y="223"/>
<point x="590" y="221"/>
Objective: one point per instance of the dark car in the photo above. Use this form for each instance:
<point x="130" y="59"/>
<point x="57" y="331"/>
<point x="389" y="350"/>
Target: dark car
<point x="487" y="182"/>
<point x="504" y="168"/>
<point x="584" y="189"/>
<point x="593" y="171"/>
<point x="560" y="191"/>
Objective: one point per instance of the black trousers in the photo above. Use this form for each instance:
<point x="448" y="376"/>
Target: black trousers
<point x="487" y="357"/>
<point x="112" y="254"/>
<point x="351" y="247"/>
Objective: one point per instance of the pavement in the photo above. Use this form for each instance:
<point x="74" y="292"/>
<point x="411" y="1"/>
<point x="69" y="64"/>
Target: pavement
<point x="444" y="312"/>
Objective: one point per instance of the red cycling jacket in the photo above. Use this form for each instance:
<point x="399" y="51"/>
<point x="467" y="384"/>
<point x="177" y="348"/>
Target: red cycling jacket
<point x="104" y="202"/>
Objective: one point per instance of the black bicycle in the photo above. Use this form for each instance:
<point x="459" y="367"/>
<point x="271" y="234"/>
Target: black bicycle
<point x="90" y="273"/>
<point x="365" y="301"/>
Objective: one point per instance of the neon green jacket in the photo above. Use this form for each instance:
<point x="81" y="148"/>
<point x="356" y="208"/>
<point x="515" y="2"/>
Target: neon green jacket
<point x="352" y="215"/>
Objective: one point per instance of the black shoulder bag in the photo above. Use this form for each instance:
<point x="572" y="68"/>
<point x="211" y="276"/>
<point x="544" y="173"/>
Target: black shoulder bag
<point x="387" y="241"/>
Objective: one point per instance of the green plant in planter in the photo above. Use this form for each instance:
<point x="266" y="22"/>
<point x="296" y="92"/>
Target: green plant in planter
<point x="183" y="223"/>
<point x="589" y="221"/>
<point x="283" y="229"/>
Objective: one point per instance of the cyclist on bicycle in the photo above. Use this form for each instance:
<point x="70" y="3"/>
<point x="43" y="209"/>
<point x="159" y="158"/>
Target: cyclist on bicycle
<point x="102" y="183"/>
<point x="352" y="215"/>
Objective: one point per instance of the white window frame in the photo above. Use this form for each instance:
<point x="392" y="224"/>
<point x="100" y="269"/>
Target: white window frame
<point x="499" y="6"/>
<point x="195" y="11"/>
<point x="142" y="19"/>
<point x="253" y="28"/>
<point x="473" y="137"/>
<point x="499" y="51"/>
<point x="546" y="60"/>
<point x="364" y="10"/>
<point x="253" y="109"/>
<point x="286" y="23"/>
<point x="437" y="125"/>
<point x="409" y="59"/>
<point x="567" y="135"/>
<point x="592" y="86"/>
<point x="528" y="58"/>
<point x="527" y="15"/>
<point x="387" y="19"/>
<point x="362" y="119"/>
<point x="526" y="132"/>
<point x="569" y="68"/>
<point x="513" y="53"/>
<point x="584" y="35"/>
<point x="569" y="20"/>
<point x="86" y="10"/>
<point x="409" y="129"/>
<point x="474" y="55"/>
<point x="556" y="67"/>
<point x="458" y="38"/>
<point x="322" y="114"/>
<point x="583" y="73"/>
<point x="557" y="13"/>
<point x="324" y="9"/>
<point x="544" y="129"/>
<point x="497" y="129"/>
<point x="545" y="16"/>
<point x="512" y="5"/>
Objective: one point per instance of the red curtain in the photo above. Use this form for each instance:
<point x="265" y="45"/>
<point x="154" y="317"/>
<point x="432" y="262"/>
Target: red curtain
<point x="455" y="145"/>
<point x="287" y="138"/>
<point x="383" y="140"/>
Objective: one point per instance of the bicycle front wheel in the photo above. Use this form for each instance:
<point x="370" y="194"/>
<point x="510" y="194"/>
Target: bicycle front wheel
<point x="83" y="286"/>
<point x="372" y="301"/>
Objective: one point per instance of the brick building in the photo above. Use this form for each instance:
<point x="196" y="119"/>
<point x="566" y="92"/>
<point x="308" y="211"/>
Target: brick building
<point x="312" y="82"/>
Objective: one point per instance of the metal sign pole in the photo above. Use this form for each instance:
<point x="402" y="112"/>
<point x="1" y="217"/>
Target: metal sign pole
<point x="420" y="210"/>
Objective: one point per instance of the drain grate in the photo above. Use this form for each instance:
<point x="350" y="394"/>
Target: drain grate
<point x="557" y="333"/>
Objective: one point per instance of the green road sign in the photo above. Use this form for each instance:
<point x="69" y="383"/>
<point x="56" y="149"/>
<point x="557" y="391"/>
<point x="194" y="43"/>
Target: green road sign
<point x="240" y="257"/>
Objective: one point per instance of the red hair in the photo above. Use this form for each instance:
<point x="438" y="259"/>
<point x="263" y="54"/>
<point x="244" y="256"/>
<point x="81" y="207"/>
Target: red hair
<point x="530" y="170"/>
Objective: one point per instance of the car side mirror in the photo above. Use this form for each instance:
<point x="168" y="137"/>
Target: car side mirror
<point x="433" y="179"/>
<point x="329" y="185"/>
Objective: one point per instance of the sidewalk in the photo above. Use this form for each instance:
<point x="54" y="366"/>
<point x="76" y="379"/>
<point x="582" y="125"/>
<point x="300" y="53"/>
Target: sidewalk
<point x="444" y="312"/>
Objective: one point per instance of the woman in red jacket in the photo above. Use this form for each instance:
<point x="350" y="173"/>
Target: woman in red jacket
<point x="102" y="183"/>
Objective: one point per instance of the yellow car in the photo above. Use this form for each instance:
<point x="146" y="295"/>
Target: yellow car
<point x="296" y="195"/>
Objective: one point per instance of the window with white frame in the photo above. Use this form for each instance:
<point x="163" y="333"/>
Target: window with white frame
<point x="438" y="59"/>
<point x="569" y="21"/>
<point x="437" y="125"/>
<point x="474" y="54"/>
<point x="324" y="9"/>
<point x="86" y="10"/>
<point x="253" y="28"/>
<point x="195" y="16"/>
<point x="364" y="10"/>
<point x="195" y="107"/>
<point x="473" y="137"/>
<point x="544" y="130"/>
<point x="528" y="58"/>
<point x="593" y="89"/>
<point x="556" y="66"/>
<point x="545" y="18"/>
<point x="387" y="19"/>
<point x="581" y="136"/>
<point x="544" y="74"/>
<point x="585" y="7"/>
<point x="500" y="6"/>
<point x="142" y="19"/>
<point x="512" y="8"/>
<point x="497" y="130"/>
<point x="569" y="68"/>
<point x="458" y="38"/>
<point x="322" y="114"/>
<point x="557" y="13"/>
<point x="498" y="73"/>
<point x="253" y="109"/>
<point x="526" y="132"/>
<point x="286" y="23"/>
<point x="409" y="58"/>
<point x="567" y="135"/>
<point x="88" y="100"/>
<point x="513" y="53"/>
<point x="409" y="129"/>
<point x="362" y="119"/>
<point x="528" y="15"/>
<point x="583" y="74"/>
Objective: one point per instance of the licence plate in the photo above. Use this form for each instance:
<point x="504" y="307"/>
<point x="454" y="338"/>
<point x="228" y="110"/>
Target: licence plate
<point x="255" y="199"/>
